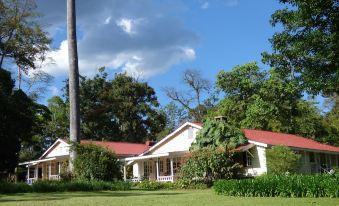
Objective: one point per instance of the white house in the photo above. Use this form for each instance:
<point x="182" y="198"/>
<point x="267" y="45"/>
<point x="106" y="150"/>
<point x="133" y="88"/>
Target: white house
<point x="162" y="161"/>
<point x="56" y="157"/>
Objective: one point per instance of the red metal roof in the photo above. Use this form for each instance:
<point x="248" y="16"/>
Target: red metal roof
<point x="120" y="148"/>
<point x="275" y="138"/>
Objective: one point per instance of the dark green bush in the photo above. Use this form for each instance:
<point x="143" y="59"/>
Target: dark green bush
<point x="96" y="163"/>
<point x="208" y="165"/>
<point x="180" y="184"/>
<point x="63" y="186"/>
<point x="281" y="186"/>
<point x="6" y="187"/>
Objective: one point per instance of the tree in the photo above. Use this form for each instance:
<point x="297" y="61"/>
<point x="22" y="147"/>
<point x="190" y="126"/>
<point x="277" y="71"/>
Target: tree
<point x="18" y="123"/>
<point x="73" y="79"/>
<point x="331" y="122"/>
<point x="120" y="109"/>
<point x="266" y="100"/>
<point x="216" y="134"/>
<point x="198" y="99"/>
<point x="22" y="40"/>
<point x="281" y="160"/>
<point x="307" y="47"/>
<point x="57" y="127"/>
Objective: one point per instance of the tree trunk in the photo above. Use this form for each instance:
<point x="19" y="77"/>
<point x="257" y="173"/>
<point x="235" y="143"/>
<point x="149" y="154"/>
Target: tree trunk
<point x="73" y="79"/>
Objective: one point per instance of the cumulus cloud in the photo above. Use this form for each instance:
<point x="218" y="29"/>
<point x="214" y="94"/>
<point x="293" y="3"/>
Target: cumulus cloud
<point x="137" y="37"/>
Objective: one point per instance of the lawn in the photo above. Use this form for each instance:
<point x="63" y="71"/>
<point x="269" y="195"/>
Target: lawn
<point x="147" y="198"/>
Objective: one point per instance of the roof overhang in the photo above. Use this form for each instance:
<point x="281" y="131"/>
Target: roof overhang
<point x="34" y="162"/>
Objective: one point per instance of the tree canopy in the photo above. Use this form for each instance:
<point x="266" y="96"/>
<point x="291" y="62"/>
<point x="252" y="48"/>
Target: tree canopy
<point x="307" y="47"/>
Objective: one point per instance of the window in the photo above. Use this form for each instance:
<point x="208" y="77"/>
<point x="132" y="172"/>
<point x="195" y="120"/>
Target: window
<point x="312" y="159"/>
<point x="168" y="166"/>
<point x="176" y="164"/>
<point x="147" y="169"/>
<point x="161" y="166"/>
<point x="248" y="159"/>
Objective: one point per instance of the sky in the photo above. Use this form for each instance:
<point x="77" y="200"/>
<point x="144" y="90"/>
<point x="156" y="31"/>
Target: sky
<point x="157" y="40"/>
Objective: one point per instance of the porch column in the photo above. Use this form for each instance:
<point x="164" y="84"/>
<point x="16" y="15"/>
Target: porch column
<point x="27" y="172"/>
<point x="125" y="175"/>
<point x="59" y="170"/>
<point x="36" y="171"/>
<point x="157" y="165"/>
<point x="49" y="170"/>
<point x="172" y="173"/>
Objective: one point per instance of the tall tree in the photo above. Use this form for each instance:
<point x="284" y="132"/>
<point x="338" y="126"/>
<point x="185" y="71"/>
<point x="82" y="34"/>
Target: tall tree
<point x="264" y="100"/>
<point x="73" y="79"/>
<point x="197" y="99"/>
<point x="22" y="40"/>
<point x="307" y="47"/>
<point x="120" y="109"/>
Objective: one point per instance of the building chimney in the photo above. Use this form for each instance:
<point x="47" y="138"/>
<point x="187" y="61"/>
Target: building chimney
<point x="220" y="118"/>
<point x="150" y="143"/>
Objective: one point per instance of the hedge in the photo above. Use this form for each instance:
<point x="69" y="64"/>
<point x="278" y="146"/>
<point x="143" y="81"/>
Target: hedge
<point x="281" y="186"/>
<point x="63" y="186"/>
<point x="180" y="184"/>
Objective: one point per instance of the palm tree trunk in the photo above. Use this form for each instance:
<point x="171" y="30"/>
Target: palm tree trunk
<point x="73" y="79"/>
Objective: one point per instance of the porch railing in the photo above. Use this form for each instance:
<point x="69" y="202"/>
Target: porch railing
<point x="165" y="179"/>
<point x="30" y="181"/>
<point x="54" y="177"/>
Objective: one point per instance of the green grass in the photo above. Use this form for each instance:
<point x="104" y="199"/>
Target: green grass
<point x="146" y="198"/>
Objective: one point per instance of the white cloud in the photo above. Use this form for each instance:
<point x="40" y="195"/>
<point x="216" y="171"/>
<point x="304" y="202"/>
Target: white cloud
<point x="205" y="5"/>
<point x="139" y="38"/>
<point x="107" y="20"/>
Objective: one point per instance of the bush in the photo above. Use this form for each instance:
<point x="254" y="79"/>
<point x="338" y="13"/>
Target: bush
<point x="207" y="165"/>
<point x="6" y="187"/>
<point x="154" y="185"/>
<point x="96" y="163"/>
<point x="63" y="186"/>
<point x="281" y="160"/>
<point x="281" y="186"/>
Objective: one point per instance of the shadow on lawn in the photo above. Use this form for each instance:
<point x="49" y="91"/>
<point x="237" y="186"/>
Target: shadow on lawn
<point x="67" y="195"/>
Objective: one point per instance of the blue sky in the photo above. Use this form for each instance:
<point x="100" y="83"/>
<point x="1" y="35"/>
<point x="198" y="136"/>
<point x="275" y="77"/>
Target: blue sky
<point x="158" y="40"/>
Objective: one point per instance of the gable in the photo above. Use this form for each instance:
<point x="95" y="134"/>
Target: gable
<point x="178" y="142"/>
<point x="61" y="148"/>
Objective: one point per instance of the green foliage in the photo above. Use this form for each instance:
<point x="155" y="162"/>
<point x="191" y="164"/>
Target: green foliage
<point x="281" y="186"/>
<point x="179" y="184"/>
<point x="22" y="39"/>
<point x="94" y="162"/>
<point x="216" y="134"/>
<point x="21" y="119"/>
<point x="63" y="186"/>
<point x="121" y="109"/>
<point x="207" y="165"/>
<point x="307" y="47"/>
<point x="281" y="160"/>
<point x="252" y="101"/>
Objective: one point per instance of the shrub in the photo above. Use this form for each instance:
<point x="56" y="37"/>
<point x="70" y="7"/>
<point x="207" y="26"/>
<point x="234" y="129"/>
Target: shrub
<point x="181" y="184"/>
<point x="63" y="186"/>
<point x="281" y="186"/>
<point x="6" y="187"/>
<point x="207" y="165"/>
<point x="281" y="160"/>
<point x="95" y="163"/>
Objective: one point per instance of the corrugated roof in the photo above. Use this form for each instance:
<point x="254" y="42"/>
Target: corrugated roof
<point x="290" y="140"/>
<point x="120" y="148"/>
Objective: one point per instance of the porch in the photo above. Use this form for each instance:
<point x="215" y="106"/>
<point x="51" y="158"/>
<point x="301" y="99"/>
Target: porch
<point x="45" y="169"/>
<point x="160" y="167"/>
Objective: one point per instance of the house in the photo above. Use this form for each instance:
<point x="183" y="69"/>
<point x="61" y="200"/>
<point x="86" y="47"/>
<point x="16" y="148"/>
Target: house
<point x="162" y="161"/>
<point x="52" y="161"/>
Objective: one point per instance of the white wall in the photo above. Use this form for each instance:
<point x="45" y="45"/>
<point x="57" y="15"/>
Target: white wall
<point x="180" y="142"/>
<point x="59" y="150"/>
<point x="259" y="165"/>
